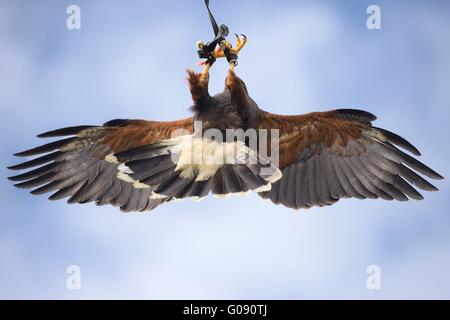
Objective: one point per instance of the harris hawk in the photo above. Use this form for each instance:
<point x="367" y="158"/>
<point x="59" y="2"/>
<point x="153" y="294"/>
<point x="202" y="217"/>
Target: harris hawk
<point x="137" y="164"/>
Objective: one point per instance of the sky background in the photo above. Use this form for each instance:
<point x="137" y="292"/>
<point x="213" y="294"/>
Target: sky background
<point x="129" y="60"/>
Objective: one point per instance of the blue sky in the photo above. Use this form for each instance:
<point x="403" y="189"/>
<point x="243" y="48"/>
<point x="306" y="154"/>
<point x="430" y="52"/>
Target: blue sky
<point x="128" y="61"/>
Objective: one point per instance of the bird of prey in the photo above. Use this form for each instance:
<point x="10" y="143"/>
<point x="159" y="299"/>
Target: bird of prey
<point x="137" y="164"/>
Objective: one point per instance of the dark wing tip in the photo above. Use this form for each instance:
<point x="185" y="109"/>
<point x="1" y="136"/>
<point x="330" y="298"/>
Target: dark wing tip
<point x="25" y="153"/>
<point x="411" y="162"/>
<point x="354" y="114"/>
<point x="438" y="177"/>
<point x="434" y="175"/>
<point x="44" y="148"/>
<point x="35" y="162"/>
<point x="399" y="141"/>
<point x="21" y="154"/>
<point x="117" y="123"/>
<point x="64" y="131"/>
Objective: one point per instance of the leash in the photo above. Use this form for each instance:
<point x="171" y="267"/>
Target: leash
<point x="220" y="33"/>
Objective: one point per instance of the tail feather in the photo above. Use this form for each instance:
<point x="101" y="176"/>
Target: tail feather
<point x="199" y="189"/>
<point x="233" y="183"/>
<point x="174" y="184"/>
<point x="167" y="167"/>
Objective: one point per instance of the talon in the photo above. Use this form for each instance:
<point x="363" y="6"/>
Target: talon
<point x="222" y="50"/>
<point x="205" y="72"/>
<point x="238" y="40"/>
<point x="240" y="43"/>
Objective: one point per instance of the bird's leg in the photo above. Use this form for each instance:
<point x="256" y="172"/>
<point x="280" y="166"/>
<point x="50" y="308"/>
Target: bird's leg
<point x="232" y="66"/>
<point x="205" y="73"/>
<point x="238" y="92"/>
<point x="232" y="53"/>
<point x="198" y="84"/>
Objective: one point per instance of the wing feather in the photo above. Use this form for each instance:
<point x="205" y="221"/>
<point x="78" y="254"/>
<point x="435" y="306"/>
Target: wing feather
<point x="339" y="154"/>
<point x="78" y="166"/>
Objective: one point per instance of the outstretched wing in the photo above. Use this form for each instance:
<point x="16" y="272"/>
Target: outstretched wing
<point x="137" y="165"/>
<point x="326" y="156"/>
<point x="78" y="167"/>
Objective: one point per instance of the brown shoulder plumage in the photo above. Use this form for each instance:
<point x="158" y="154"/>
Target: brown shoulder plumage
<point x="326" y="156"/>
<point x="139" y="133"/>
